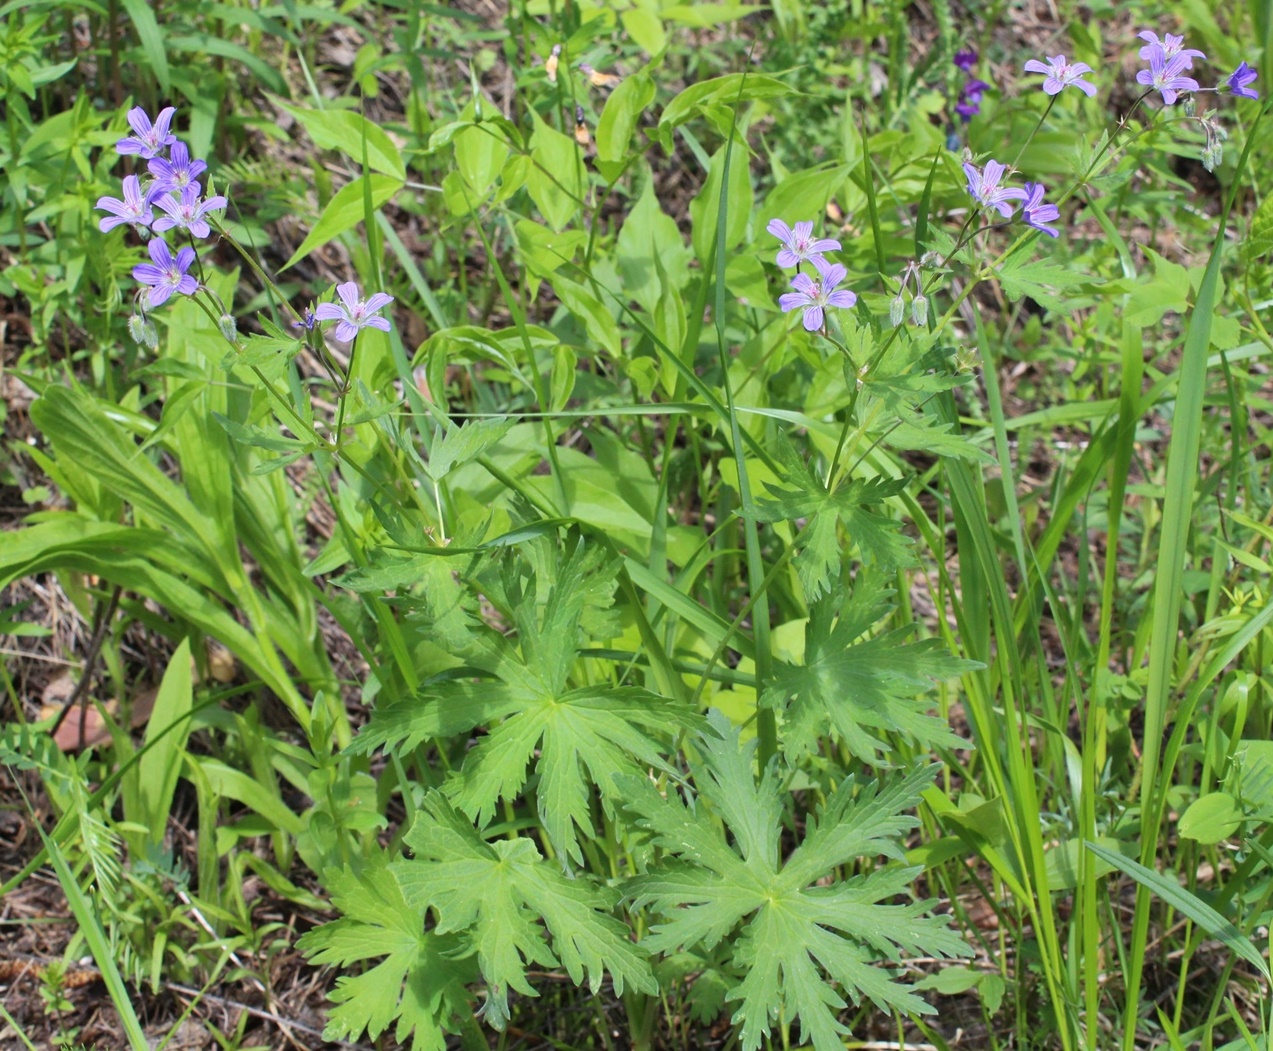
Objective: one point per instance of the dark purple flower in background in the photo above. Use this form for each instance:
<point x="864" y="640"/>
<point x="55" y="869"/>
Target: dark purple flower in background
<point x="798" y="243"/>
<point x="1169" y="47"/>
<point x="307" y="321"/>
<point x="986" y="191"/>
<point x="1060" y="74"/>
<point x="178" y="171"/>
<point x="149" y="138"/>
<point x="167" y="275"/>
<point x="1037" y="214"/>
<point x="352" y="313"/>
<point x="969" y="104"/>
<point x="188" y="212"/>
<point x="1238" y="80"/>
<point x="133" y="209"/>
<point x="813" y="297"/>
<point x="1164" y="74"/>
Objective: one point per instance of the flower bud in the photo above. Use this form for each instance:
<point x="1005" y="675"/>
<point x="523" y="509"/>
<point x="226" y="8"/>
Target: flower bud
<point x="143" y="331"/>
<point x="1191" y="106"/>
<point x="919" y="310"/>
<point x="1211" y="156"/>
<point x="229" y="328"/>
<point x="896" y="310"/>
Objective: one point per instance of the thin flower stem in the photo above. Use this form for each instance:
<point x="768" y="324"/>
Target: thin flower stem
<point x="1030" y="138"/>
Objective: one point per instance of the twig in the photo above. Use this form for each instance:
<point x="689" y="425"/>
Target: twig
<point x="257" y="1012"/>
<point x="90" y="659"/>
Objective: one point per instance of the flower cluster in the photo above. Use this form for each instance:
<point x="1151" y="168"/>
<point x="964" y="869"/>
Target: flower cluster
<point x="812" y="296"/>
<point x="969" y="104"/>
<point x="172" y="199"/>
<point x="985" y="187"/>
<point x="174" y="192"/>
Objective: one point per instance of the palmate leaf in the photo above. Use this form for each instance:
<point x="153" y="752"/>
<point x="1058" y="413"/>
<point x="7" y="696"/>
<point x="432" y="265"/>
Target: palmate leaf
<point x="860" y="689"/>
<point x="421" y="980"/>
<point x="576" y="738"/>
<point x="513" y="909"/>
<point x="798" y="944"/>
<point x="879" y="539"/>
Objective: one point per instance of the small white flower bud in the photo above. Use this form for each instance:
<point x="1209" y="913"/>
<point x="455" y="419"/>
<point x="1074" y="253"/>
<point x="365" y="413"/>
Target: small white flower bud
<point x="919" y="310"/>
<point x="229" y="328"/>
<point x="143" y="331"/>
<point x="896" y="311"/>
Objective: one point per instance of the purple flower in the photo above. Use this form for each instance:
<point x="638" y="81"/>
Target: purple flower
<point x="1060" y="74"/>
<point x="178" y="171"/>
<point x="150" y="138"/>
<point x="1238" y="80"/>
<point x="134" y="208"/>
<point x="1169" y="47"/>
<point x="974" y="89"/>
<point x="969" y="104"/>
<point x="1037" y="214"/>
<point x="799" y="244"/>
<point x="167" y="275"/>
<point x="814" y="296"/>
<point x="307" y="321"/>
<point x="986" y="191"/>
<point x="965" y="60"/>
<point x="189" y="212"/>
<point x="1164" y="74"/>
<point x="352" y="313"/>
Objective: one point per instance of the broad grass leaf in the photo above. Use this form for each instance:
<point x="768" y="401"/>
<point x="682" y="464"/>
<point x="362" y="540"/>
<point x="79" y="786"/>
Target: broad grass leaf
<point x="646" y="30"/>
<point x="162" y="757"/>
<point x="1192" y="906"/>
<point x="142" y="16"/>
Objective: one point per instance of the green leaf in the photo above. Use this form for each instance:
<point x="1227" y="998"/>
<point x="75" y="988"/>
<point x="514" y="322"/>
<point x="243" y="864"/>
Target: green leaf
<point x="459" y="445"/>
<point x="646" y="30"/>
<point x="514" y="909"/>
<point x="861" y="688"/>
<point x="421" y="980"/>
<point x="1183" y="901"/>
<point x="879" y="539"/>
<point x="1259" y="238"/>
<point x="649" y="240"/>
<point x="344" y="130"/>
<point x="597" y="320"/>
<point x="791" y="928"/>
<point x="705" y="208"/>
<point x="576" y="737"/>
<point x="481" y="154"/>
<point x="1037" y="280"/>
<point x="1211" y="818"/>
<point x="345" y="211"/>
<point x="803" y="195"/>
<point x="719" y="90"/>
<point x="558" y="179"/>
<point x="619" y="118"/>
